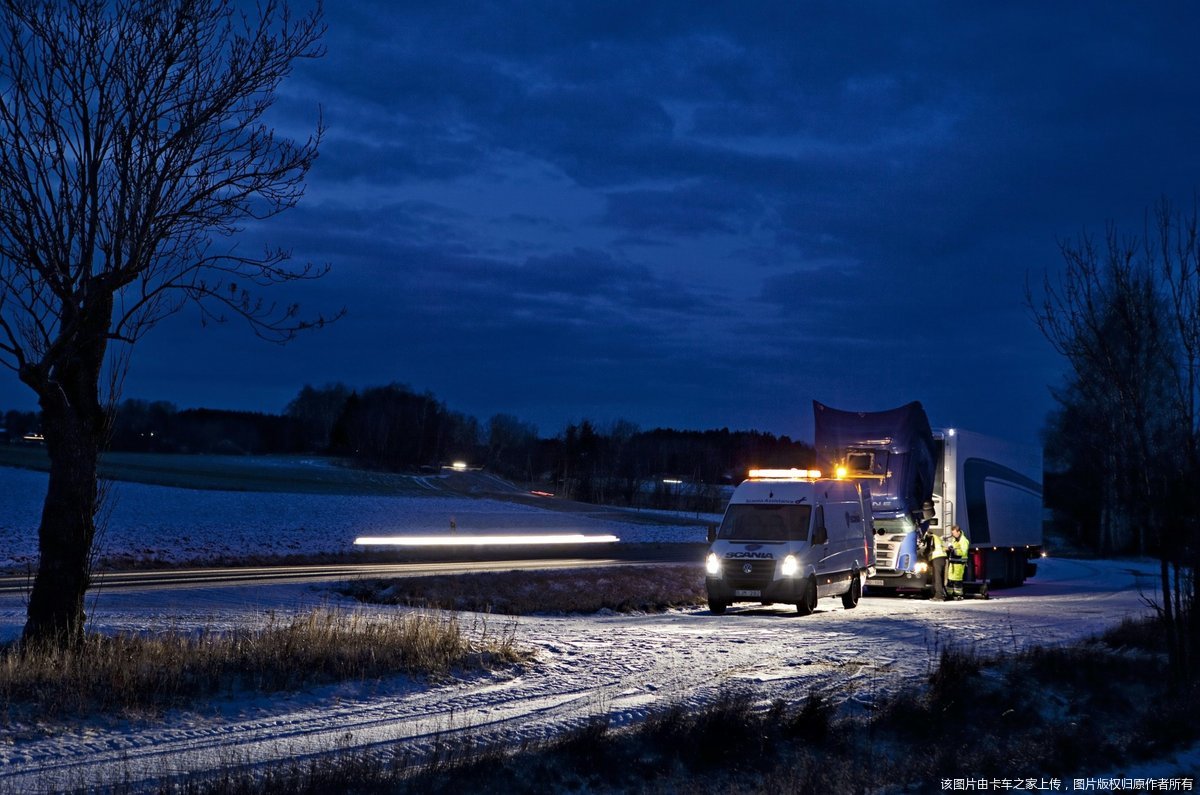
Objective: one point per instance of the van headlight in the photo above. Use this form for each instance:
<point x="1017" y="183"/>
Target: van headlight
<point x="713" y="564"/>
<point x="790" y="566"/>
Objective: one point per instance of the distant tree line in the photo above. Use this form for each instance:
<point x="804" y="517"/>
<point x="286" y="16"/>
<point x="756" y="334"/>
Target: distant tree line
<point x="19" y="423"/>
<point x="159" y="427"/>
<point x="395" y="428"/>
<point x="664" y="467"/>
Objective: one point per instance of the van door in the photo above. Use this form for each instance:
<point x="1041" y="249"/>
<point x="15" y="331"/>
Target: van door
<point x="818" y="546"/>
<point x="826" y="554"/>
<point x="837" y="521"/>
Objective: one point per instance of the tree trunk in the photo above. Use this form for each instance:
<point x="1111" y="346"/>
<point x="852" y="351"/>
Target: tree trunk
<point x="68" y="527"/>
<point x="75" y="426"/>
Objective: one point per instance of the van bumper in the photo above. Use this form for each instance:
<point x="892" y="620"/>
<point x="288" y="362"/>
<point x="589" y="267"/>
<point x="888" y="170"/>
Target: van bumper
<point x="787" y="590"/>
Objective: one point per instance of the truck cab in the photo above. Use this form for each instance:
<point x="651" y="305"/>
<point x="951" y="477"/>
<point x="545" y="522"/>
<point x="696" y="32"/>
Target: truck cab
<point x="990" y="488"/>
<point x="791" y="536"/>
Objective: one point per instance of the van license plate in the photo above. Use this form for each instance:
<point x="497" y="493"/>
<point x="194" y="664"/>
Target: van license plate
<point x="747" y="593"/>
<point x="874" y="582"/>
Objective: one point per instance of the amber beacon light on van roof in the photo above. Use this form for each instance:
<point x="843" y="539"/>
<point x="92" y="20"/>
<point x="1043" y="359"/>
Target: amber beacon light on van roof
<point x="785" y="474"/>
<point x="839" y="472"/>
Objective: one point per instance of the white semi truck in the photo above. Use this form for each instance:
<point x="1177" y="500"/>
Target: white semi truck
<point x="924" y="478"/>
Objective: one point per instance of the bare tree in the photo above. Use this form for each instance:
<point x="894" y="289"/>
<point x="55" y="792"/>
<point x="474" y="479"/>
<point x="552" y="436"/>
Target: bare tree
<point x="1123" y="315"/>
<point x="134" y="144"/>
<point x="1176" y="253"/>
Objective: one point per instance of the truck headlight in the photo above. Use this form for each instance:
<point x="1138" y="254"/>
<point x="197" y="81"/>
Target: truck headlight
<point x="713" y="564"/>
<point x="790" y="566"/>
<point x="921" y="567"/>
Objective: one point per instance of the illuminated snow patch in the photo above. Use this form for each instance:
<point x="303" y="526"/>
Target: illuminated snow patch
<point x="462" y="541"/>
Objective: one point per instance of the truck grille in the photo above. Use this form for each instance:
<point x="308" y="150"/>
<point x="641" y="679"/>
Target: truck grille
<point x="761" y="573"/>
<point x="886" y="552"/>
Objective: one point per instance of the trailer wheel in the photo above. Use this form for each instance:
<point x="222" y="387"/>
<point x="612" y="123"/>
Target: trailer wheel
<point x="808" y="600"/>
<point x="853" y="593"/>
<point x="717" y="608"/>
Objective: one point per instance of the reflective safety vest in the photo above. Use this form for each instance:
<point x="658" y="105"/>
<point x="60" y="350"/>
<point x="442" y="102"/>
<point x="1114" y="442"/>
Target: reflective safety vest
<point x="956" y="571"/>
<point x="937" y="550"/>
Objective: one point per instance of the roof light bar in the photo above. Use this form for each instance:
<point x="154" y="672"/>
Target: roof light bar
<point x="784" y="474"/>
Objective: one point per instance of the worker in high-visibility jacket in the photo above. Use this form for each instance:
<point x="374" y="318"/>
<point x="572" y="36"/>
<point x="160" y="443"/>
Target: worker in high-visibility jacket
<point x="935" y="551"/>
<point x="957" y="568"/>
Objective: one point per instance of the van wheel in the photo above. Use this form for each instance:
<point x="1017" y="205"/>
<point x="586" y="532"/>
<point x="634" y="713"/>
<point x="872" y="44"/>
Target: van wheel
<point x="717" y="608"/>
<point x="808" y="601"/>
<point x="853" y="593"/>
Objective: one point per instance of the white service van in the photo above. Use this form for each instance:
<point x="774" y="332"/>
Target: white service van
<point x="791" y="536"/>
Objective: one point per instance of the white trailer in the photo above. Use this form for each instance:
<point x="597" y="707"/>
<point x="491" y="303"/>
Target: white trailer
<point x="992" y="489"/>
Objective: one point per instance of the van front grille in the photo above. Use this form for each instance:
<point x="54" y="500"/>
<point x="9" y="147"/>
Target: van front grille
<point x="760" y="573"/>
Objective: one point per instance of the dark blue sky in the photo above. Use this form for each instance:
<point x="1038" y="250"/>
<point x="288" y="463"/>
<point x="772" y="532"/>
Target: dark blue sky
<point x="700" y="214"/>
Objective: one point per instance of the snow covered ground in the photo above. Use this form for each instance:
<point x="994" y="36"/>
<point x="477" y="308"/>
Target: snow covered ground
<point x="619" y="665"/>
<point x="158" y="523"/>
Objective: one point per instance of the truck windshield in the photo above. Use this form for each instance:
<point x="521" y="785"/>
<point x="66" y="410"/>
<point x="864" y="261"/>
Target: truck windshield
<point x="766" y="523"/>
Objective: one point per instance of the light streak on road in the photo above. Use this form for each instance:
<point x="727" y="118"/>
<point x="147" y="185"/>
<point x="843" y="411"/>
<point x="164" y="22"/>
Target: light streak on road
<point x="483" y="540"/>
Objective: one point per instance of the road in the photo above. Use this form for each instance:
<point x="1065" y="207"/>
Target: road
<point x="259" y="575"/>
<point x="554" y="558"/>
<point x="619" y="665"/>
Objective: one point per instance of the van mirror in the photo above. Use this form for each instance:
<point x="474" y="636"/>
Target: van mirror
<point x="820" y="535"/>
<point x="712" y="533"/>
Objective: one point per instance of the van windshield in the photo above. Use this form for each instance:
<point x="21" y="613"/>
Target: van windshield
<point x="766" y="523"/>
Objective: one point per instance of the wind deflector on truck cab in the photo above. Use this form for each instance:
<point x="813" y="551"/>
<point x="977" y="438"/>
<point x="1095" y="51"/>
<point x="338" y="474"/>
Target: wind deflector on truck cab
<point x="896" y="446"/>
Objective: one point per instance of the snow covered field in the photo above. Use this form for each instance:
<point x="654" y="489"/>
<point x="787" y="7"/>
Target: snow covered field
<point x="158" y="523"/>
<point x="624" y="666"/>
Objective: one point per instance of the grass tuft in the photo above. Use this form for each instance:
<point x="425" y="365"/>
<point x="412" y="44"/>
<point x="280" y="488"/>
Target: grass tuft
<point x="132" y="673"/>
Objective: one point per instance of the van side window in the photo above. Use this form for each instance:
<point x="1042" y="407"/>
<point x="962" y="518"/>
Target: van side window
<point x="819" y="533"/>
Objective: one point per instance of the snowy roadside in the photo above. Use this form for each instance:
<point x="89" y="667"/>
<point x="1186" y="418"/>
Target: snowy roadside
<point x="623" y="666"/>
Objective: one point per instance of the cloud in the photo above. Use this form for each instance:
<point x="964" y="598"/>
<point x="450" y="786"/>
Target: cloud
<point x="702" y="212"/>
<point x="695" y="209"/>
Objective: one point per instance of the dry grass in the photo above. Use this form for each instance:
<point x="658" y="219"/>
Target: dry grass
<point x="136" y="673"/>
<point x="1038" y="714"/>
<point x="1062" y="711"/>
<point x="623" y="589"/>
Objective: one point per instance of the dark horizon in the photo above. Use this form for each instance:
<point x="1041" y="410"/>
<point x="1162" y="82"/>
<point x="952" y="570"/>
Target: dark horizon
<point x="600" y="427"/>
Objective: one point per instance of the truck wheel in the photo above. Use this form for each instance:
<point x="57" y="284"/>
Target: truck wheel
<point x="717" y="608"/>
<point x="853" y="593"/>
<point x="808" y="600"/>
